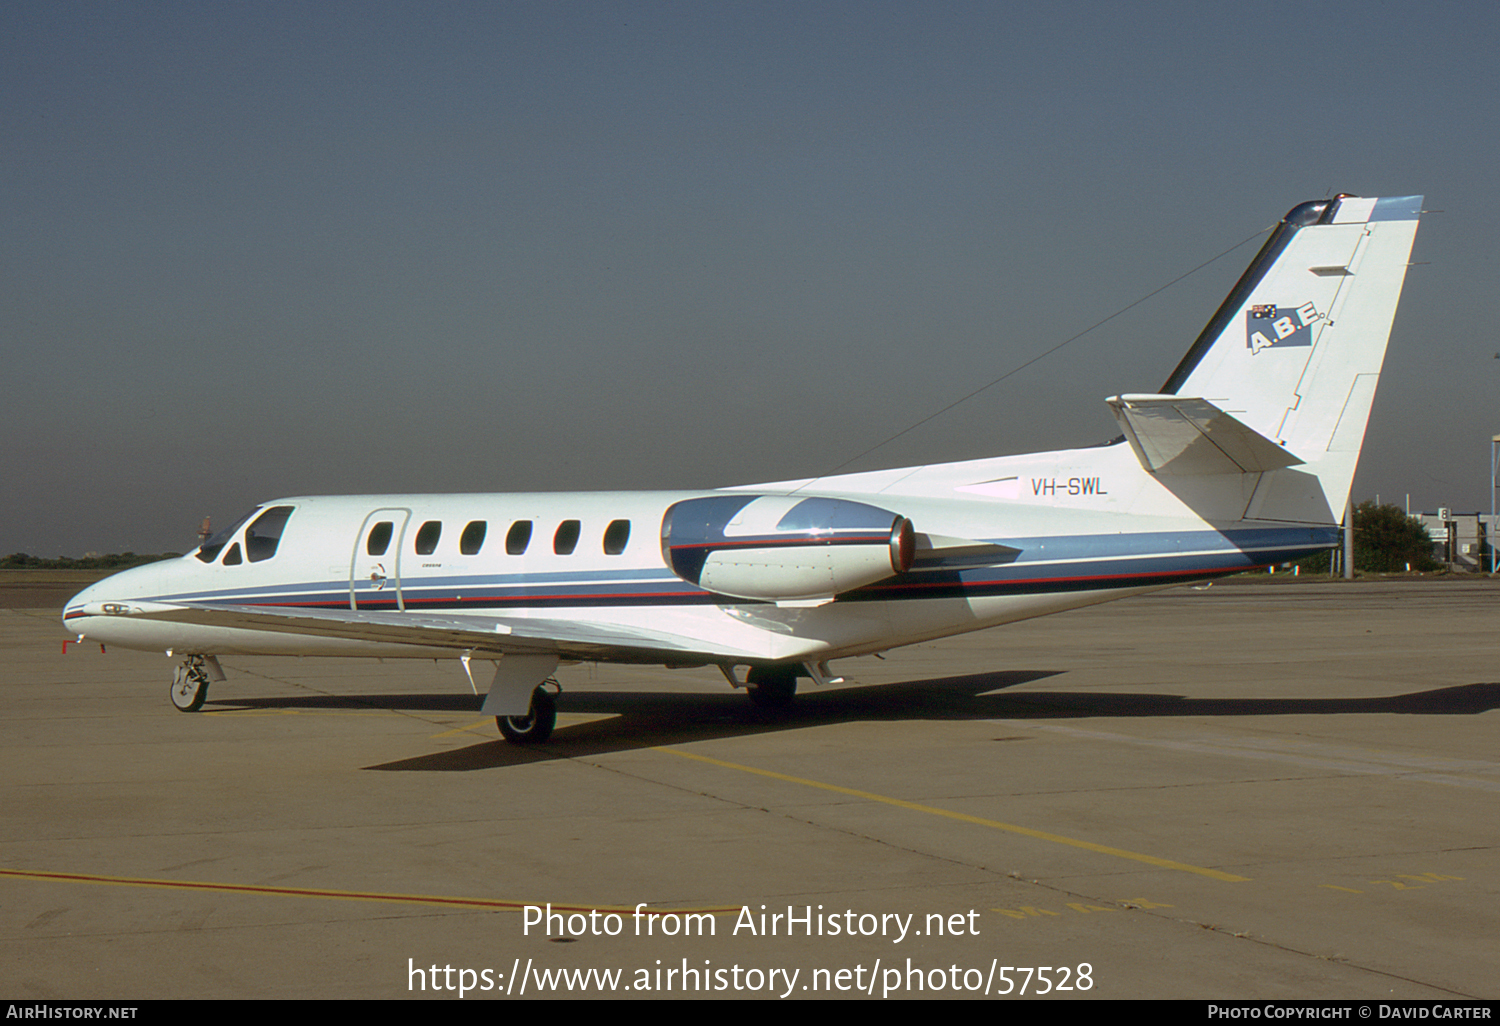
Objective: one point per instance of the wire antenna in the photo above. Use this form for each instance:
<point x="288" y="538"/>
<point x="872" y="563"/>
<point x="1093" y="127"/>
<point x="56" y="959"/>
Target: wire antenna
<point x="1035" y="359"/>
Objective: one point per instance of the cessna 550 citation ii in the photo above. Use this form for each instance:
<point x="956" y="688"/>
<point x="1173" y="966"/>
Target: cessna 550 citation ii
<point x="1244" y="459"/>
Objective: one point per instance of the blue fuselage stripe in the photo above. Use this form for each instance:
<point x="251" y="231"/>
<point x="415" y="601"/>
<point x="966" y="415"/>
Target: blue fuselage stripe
<point x="1056" y="564"/>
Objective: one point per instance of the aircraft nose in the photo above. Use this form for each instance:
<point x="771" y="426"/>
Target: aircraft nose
<point x="117" y="590"/>
<point x="74" y="608"/>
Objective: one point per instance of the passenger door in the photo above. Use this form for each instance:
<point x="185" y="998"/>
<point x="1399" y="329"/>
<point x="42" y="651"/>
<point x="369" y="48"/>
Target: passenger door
<point x="375" y="567"/>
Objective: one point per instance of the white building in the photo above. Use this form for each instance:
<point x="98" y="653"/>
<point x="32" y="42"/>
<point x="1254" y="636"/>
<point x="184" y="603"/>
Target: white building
<point x="1459" y="538"/>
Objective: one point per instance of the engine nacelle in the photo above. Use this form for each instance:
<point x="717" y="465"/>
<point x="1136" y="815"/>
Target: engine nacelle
<point x="784" y="548"/>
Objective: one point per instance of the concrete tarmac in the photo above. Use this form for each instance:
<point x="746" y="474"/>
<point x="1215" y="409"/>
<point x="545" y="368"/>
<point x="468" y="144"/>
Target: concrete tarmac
<point x="1257" y="790"/>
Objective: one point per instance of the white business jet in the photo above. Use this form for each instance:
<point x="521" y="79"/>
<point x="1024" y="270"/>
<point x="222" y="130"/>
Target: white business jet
<point x="1245" y="459"/>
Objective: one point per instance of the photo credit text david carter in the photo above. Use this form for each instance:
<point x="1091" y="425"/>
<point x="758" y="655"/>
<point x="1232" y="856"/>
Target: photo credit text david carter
<point x="1284" y="1010"/>
<point x="902" y="975"/>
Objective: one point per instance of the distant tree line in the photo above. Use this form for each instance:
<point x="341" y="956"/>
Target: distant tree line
<point x="1386" y="540"/>
<point x="113" y="561"/>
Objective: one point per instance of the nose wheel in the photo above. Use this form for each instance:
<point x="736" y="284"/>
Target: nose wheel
<point x="536" y="726"/>
<point x="190" y="685"/>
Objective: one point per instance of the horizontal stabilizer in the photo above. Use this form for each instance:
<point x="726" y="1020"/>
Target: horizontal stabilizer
<point x="1183" y="436"/>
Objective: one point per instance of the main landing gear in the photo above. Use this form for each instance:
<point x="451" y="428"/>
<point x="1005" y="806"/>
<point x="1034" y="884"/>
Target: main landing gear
<point x="190" y="684"/>
<point x="772" y="687"/>
<point x="536" y="726"/>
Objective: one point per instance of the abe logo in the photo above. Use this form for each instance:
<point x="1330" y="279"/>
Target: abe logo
<point x="1268" y="325"/>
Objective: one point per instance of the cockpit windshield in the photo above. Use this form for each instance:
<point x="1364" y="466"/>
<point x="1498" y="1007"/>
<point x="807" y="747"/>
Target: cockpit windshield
<point x="211" y="548"/>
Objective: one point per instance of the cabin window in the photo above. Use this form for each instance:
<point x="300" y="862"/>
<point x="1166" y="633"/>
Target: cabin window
<point x="518" y="538"/>
<point x="380" y="538"/>
<point x="472" y="540"/>
<point x="232" y="557"/>
<point x="262" y="536"/>
<point x="616" y="537"/>
<point x="566" y="538"/>
<point x="427" y="537"/>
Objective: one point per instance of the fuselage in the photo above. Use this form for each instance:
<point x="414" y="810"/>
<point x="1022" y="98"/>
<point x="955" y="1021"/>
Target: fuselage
<point x="1073" y="528"/>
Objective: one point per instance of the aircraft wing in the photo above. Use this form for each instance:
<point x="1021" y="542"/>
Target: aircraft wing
<point x="476" y="634"/>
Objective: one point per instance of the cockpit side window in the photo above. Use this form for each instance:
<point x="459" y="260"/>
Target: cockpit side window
<point x="262" y="536"/>
<point x="232" y="557"/>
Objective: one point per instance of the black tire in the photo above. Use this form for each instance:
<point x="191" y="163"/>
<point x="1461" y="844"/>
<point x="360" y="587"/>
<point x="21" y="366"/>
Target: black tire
<point x="536" y="726"/>
<point x="189" y="688"/>
<point x="772" y="687"/>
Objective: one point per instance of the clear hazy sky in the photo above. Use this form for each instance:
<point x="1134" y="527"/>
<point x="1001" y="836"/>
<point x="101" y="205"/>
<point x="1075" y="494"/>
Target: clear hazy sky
<point x="264" y="249"/>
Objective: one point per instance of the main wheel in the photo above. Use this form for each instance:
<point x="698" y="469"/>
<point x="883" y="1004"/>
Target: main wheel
<point x="189" y="687"/>
<point x="536" y="726"/>
<point x="772" y="687"/>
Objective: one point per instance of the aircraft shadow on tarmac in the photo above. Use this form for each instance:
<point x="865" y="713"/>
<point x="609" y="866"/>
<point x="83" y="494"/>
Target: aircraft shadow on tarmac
<point x="645" y="720"/>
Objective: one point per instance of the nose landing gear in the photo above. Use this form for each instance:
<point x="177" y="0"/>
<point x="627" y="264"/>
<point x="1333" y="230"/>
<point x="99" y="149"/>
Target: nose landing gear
<point x="190" y="684"/>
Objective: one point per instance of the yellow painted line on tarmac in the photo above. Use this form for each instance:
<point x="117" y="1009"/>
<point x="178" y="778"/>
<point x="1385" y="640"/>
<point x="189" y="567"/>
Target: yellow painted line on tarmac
<point x="994" y="824"/>
<point x="314" y="892"/>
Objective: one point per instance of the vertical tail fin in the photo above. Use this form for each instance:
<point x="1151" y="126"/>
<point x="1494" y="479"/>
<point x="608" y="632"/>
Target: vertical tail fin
<point x="1295" y="351"/>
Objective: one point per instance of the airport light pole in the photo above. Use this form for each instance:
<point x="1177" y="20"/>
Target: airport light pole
<point x="1489" y="535"/>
